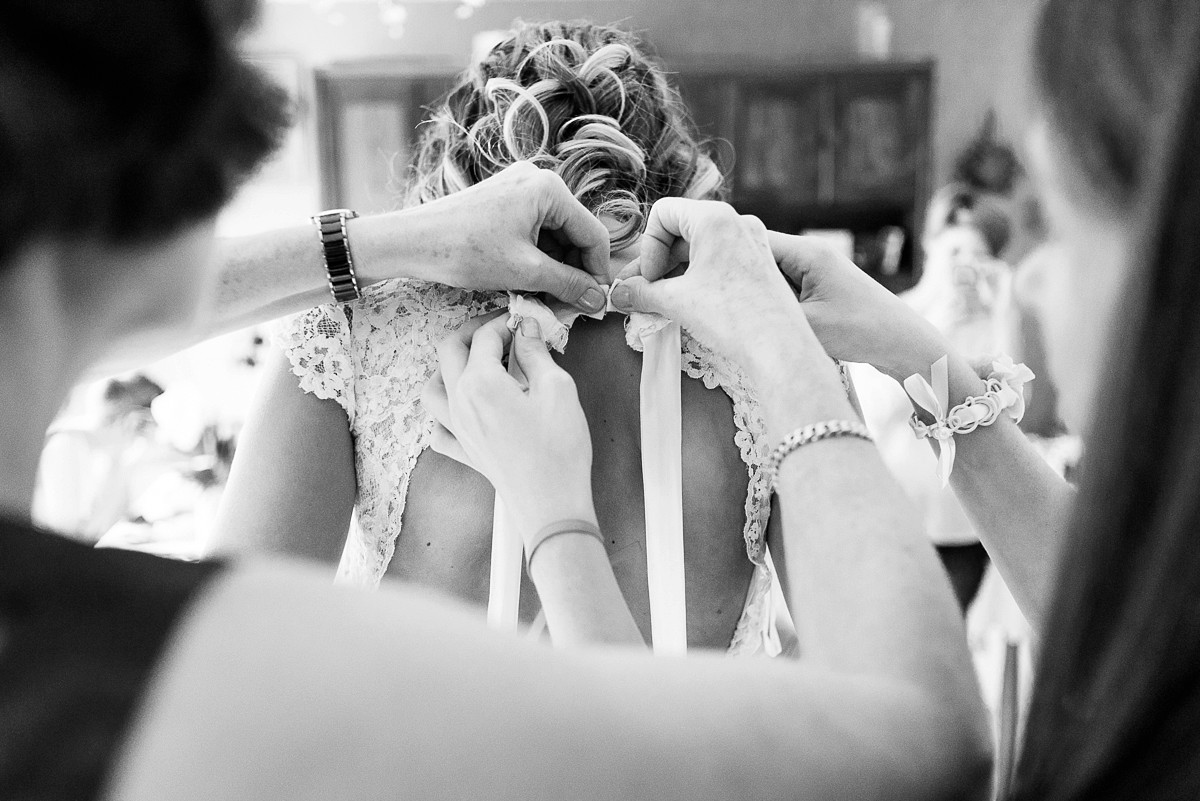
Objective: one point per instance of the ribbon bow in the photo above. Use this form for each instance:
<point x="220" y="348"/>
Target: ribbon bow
<point x="935" y="400"/>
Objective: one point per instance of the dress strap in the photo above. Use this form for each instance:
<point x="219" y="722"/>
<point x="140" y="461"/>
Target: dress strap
<point x="662" y="481"/>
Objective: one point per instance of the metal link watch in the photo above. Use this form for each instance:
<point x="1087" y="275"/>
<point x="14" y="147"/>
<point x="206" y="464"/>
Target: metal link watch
<point x="331" y="228"/>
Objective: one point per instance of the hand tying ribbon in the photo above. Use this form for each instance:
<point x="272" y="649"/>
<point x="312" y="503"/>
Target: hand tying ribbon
<point x="1005" y="392"/>
<point x="555" y="319"/>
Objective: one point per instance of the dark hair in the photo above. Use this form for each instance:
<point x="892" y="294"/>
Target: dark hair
<point x="959" y="204"/>
<point x="125" y="120"/>
<point x="988" y="164"/>
<point x="1115" y="712"/>
<point x="578" y="98"/>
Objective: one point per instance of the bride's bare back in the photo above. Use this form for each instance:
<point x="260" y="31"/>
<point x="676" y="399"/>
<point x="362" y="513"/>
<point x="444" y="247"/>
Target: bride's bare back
<point x="446" y="530"/>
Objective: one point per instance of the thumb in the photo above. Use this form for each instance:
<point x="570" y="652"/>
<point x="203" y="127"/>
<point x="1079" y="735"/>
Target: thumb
<point x="567" y="284"/>
<point x="636" y="294"/>
<point x="631" y="269"/>
<point x="531" y="354"/>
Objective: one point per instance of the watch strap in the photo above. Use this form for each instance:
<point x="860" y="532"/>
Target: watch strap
<point x="335" y="247"/>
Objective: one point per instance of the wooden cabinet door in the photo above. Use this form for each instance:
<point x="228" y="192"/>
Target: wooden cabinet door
<point x="765" y="136"/>
<point x="779" y="142"/>
<point x="879" y="138"/>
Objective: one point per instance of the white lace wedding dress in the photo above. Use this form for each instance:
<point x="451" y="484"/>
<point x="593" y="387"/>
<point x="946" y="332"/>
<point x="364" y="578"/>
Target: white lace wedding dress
<point x="373" y="357"/>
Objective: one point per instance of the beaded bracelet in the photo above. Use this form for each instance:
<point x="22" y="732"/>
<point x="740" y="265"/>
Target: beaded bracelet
<point x="809" y="434"/>
<point x="1005" y="393"/>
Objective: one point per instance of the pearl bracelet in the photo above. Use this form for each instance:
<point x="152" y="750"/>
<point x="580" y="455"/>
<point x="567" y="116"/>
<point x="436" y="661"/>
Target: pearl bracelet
<point x="809" y="434"/>
<point x="1005" y="393"/>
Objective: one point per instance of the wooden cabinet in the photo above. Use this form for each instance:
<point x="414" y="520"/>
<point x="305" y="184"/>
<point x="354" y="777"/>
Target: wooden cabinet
<point x="804" y="146"/>
<point x="823" y="146"/>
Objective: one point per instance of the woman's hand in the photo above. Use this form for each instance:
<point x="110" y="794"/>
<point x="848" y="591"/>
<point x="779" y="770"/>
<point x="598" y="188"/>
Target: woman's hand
<point x="487" y="237"/>
<point x="522" y="428"/>
<point x="732" y="296"/>
<point x="855" y="318"/>
<point x="734" y="299"/>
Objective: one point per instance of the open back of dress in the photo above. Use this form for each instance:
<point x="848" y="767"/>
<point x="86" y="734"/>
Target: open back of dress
<point x="373" y="357"/>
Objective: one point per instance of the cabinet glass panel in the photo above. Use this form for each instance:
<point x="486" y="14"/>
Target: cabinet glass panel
<point x="875" y="153"/>
<point x="777" y="148"/>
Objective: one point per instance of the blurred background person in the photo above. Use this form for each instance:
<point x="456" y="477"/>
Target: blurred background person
<point x="99" y="455"/>
<point x="140" y="460"/>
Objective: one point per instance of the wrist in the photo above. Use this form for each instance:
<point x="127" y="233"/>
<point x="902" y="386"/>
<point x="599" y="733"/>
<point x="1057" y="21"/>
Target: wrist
<point x="963" y="380"/>
<point x="533" y="513"/>
<point x="917" y="350"/>
<point x="940" y="414"/>
<point x="798" y="384"/>
<point x="389" y="246"/>
<point x="571" y="539"/>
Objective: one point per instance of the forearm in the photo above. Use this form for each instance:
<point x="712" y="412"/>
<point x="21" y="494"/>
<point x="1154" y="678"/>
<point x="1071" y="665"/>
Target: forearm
<point x="579" y="593"/>
<point x="263" y="276"/>
<point x="867" y="592"/>
<point x="259" y="277"/>
<point x="1019" y="505"/>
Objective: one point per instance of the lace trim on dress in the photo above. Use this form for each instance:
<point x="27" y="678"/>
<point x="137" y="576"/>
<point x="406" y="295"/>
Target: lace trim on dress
<point x="755" y="627"/>
<point x="317" y="344"/>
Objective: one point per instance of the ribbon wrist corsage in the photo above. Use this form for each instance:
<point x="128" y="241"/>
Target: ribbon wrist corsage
<point x="1005" y="393"/>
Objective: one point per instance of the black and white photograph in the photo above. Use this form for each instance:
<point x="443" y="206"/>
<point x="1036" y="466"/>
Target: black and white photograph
<point x="600" y="399"/>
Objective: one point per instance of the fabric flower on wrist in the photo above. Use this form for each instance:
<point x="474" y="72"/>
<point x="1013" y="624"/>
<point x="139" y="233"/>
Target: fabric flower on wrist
<point x="1012" y="377"/>
<point x="1005" y="393"/>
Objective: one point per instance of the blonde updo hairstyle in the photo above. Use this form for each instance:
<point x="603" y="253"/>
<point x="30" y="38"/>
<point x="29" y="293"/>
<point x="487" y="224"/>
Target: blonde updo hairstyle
<point x="579" y="99"/>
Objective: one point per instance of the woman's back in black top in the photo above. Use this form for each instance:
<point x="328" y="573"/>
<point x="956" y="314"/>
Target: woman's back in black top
<point x="81" y="630"/>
